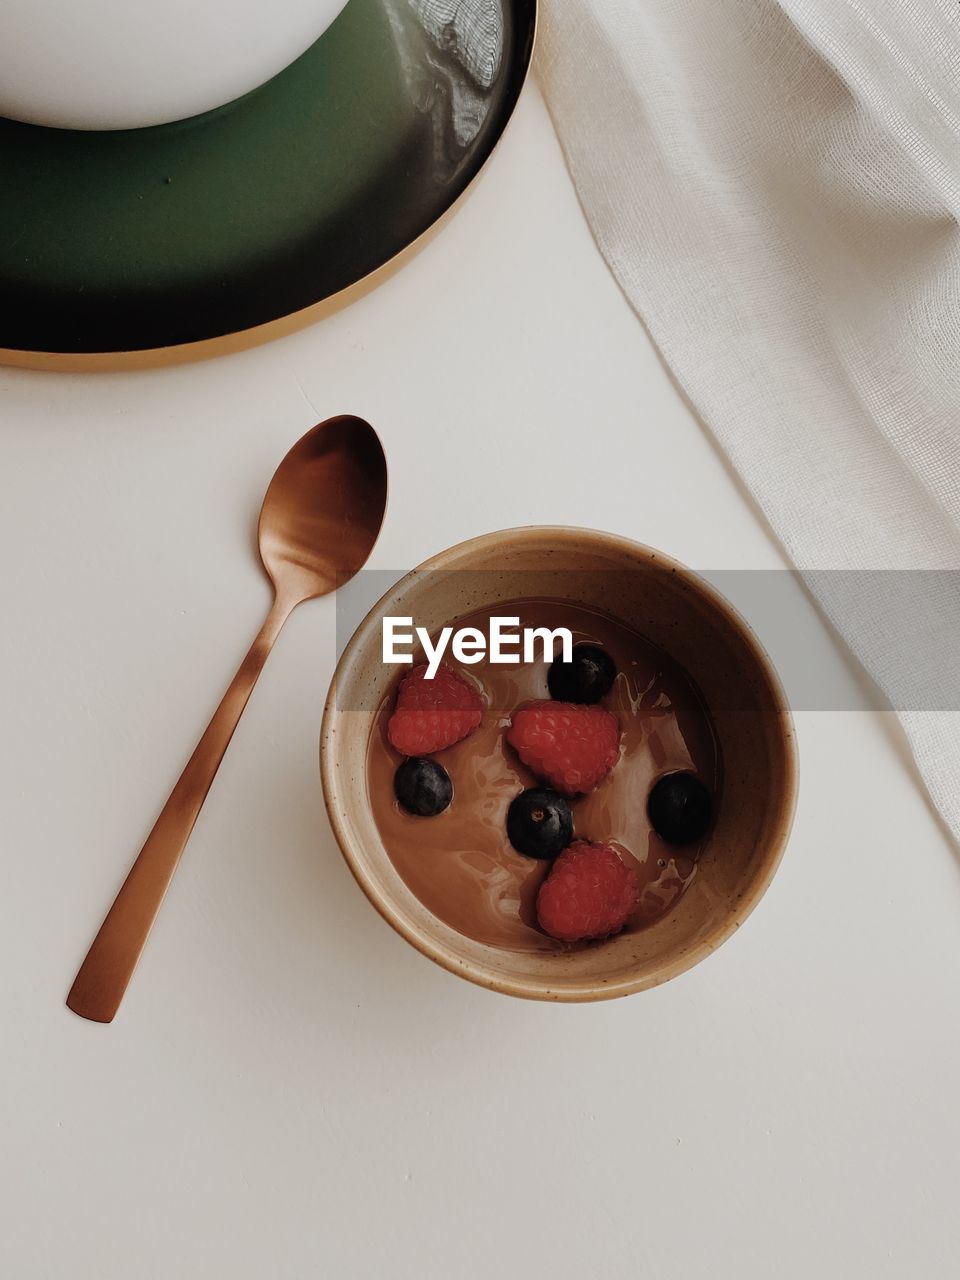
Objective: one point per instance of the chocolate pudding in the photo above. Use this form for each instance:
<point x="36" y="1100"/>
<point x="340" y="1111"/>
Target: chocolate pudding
<point x="460" y="863"/>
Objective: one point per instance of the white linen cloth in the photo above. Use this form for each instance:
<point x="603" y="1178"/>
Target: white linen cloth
<point x="776" y="186"/>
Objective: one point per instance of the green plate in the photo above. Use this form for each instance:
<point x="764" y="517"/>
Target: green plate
<point x="157" y="238"/>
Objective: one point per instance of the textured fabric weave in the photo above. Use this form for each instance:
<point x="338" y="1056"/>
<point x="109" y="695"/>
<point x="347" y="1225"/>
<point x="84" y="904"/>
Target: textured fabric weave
<point x="776" y="186"/>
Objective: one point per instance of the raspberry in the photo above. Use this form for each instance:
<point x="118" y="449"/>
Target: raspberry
<point x="570" y="746"/>
<point x="432" y="714"/>
<point x="589" y="893"/>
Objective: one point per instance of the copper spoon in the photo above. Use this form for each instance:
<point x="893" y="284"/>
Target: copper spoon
<point x="319" y="521"/>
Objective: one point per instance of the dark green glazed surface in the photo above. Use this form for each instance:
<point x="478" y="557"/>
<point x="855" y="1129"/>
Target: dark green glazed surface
<point x="155" y="237"/>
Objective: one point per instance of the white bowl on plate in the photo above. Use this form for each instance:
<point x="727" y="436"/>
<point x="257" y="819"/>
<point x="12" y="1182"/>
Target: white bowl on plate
<point x="123" y="64"/>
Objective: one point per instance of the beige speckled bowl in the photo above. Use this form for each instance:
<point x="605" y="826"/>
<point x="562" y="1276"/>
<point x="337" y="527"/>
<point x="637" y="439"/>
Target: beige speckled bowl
<point x="676" y="610"/>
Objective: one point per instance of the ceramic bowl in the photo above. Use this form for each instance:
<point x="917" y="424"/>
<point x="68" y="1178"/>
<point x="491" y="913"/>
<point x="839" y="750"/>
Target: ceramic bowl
<point x="111" y="64"/>
<point x="676" y="610"/>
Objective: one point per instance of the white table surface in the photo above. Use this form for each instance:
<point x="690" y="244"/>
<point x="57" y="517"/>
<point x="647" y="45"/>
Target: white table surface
<point x="290" y="1090"/>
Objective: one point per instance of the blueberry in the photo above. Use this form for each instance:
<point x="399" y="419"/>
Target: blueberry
<point x="423" y="787"/>
<point x="679" y="808"/>
<point x="586" y="678"/>
<point x="539" y="823"/>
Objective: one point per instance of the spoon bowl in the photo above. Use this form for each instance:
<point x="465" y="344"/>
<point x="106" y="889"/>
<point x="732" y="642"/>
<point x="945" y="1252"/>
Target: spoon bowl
<point x="323" y="508"/>
<point x="320" y="519"/>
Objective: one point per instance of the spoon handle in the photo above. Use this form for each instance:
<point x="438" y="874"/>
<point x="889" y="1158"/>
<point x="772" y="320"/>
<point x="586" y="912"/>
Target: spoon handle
<point x="111" y="960"/>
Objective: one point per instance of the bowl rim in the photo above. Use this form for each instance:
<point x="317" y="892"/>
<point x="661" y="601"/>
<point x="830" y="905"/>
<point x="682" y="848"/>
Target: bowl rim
<point x="533" y="988"/>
